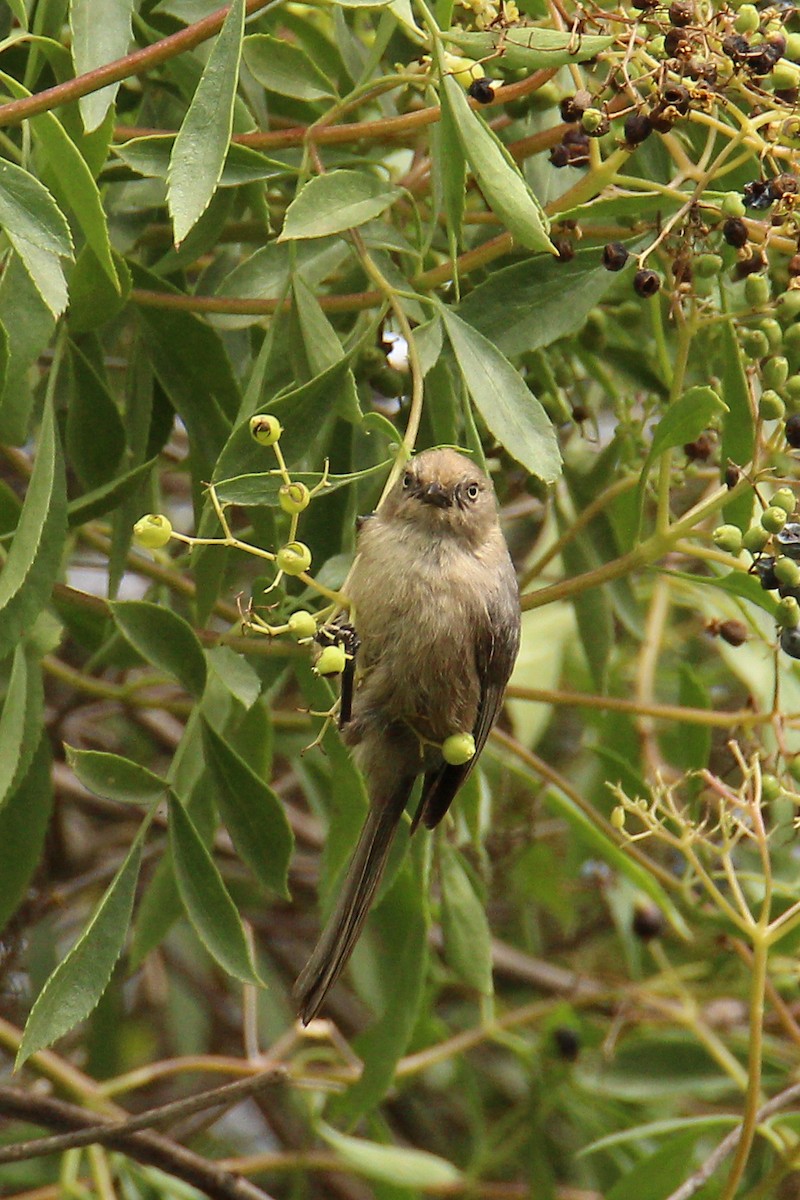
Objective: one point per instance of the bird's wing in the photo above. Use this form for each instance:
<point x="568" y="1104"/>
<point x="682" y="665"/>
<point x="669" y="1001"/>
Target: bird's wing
<point x="495" y="654"/>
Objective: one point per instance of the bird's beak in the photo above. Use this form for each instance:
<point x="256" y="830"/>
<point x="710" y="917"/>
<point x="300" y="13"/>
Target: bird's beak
<point x="434" y="493"/>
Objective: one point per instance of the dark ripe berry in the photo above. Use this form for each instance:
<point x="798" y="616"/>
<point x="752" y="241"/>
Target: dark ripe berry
<point x="793" y="431"/>
<point x="572" y="108"/>
<point x="787" y="95"/>
<point x="764" y="568"/>
<point x="644" y="5"/>
<point x="700" y="449"/>
<point x="559" y="155"/>
<point x="681" y="12"/>
<point x="732" y="475"/>
<point x="749" y="266"/>
<point x="638" y="126"/>
<point x="758" y="194"/>
<point x="648" y="921"/>
<point x="481" y="90"/>
<point x="783" y="185"/>
<point x="675" y="43"/>
<point x="736" y="47"/>
<point x="565" y="248"/>
<point x="793" y="265"/>
<point x="646" y="283"/>
<point x="790" y="642"/>
<point x="677" y="97"/>
<point x="662" y="119"/>
<point x="580" y="414"/>
<point x="568" y="1044"/>
<point x="614" y="256"/>
<point x="576" y="137"/>
<point x="733" y="632"/>
<point x="788" y="538"/>
<point x="735" y="232"/>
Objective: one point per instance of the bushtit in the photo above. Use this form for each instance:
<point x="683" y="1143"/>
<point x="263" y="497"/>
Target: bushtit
<point x="435" y="606"/>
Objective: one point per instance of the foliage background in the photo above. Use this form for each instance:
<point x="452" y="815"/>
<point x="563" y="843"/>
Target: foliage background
<point x="208" y="214"/>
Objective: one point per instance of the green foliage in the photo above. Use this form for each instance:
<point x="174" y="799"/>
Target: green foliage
<point x="584" y="982"/>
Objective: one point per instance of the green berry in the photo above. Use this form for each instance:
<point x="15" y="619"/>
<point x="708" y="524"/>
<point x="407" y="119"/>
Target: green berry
<point x="792" y="51"/>
<point x="302" y="624"/>
<point x="771" y="406"/>
<point x="791" y="344"/>
<point x="728" y="538"/>
<point x="593" y="119"/>
<point x="617" y="817"/>
<point x="784" y="76"/>
<point x="792" y="387"/>
<point x="785" y="499"/>
<point x="331" y="661"/>
<point x="788" y="304"/>
<point x="787" y="613"/>
<point x="755" y="539"/>
<point x="704" y="286"/>
<point x="787" y="571"/>
<point x="775" y="371"/>
<point x="153" y="531"/>
<point x="707" y="265"/>
<point x="294" y="558"/>
<point x="733" y="205"/>
<point x="773" y="519"/>
<point x="756" y="290"/>
<point x="754" y="343"/>
<point x="770" y="788"/>
<point x="294" y="497"/>
<point x="772" y="332"/>
<point x="265" y="429"/>
<point x="747" y="19"/>
<point x="458" y="749"/>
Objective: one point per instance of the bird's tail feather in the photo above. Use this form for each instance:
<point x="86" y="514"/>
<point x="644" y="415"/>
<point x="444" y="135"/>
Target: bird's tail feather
<point x="358" y="890"/>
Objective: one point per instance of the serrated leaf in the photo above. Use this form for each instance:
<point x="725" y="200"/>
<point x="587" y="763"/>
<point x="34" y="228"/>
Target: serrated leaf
<point x="33" y="561"/>
<point x="498" y="176"/>
<point x="467" y="938"/>
<point x="101" y="31"/>
<point x="20" y="721"/>
<point x="79" y="980"/>
<point x="339" y="200"/>
<point x="164" y="639"/>
<point x="198" y="155"/>
<point x="38" y="231"/>
<point x="23" y="824"/>
<point x="397" y="1165"/>
<point x="285" y="68"/>
<point x="150" y="156"/>
<point x="205" y="898"/>
<point x="29" y="325"/>
<point x="115" y="777"/>
<point x="509" y="408"/>
<point x="253" y="814"/>
<point x="531" y="49"/>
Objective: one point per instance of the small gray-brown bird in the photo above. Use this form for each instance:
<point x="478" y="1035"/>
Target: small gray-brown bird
<point x="435" y="605"/>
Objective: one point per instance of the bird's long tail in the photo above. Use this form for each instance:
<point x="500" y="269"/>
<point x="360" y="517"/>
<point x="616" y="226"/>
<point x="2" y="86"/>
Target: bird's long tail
<point x="358" y="890"/>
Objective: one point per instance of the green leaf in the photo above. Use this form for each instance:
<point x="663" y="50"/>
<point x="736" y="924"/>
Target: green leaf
<point x="738" y="431"/>
<point x="205" y="898"/>
<point x="236" y="674"/>
<point x="94" y="299"/>
<point x="20" y="720"/>
<point x="684" y="420"/>
<point x="28" y="324"/>
<point x="450" y="172"/>
<point x="498" y="176"/>
<point x="530" y="49"/>
<point x="467" y="938"/>
<point x="509" y="408"/>
<point x="34" y="559"/>
<point x="79" y="980"/>
<point x="201" y="146"/>
<point x="734" y="583"/>
<point x="285" y="68"/>
<point x="254" y="491"/>
<point x="38" y="231"/>
<point x="95" y="434"/>
<point x="530" y="305"/>
<point x="397" y="1165"/>
<point x="150" y="156"/>
<point x="115" y="777"/>
<point x="102" y="499"/>
<point x="334" y="202"/>
<point x="101" y="31"/>
<point x="657" y="1175"/>
<point x="320" y="341"/>
<point x="254" y="815"/>
<point x="23" y="824"/>
<point x="164" y="639"/>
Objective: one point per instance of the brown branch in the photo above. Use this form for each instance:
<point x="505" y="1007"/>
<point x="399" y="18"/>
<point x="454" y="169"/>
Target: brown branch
<point x="151" y="1149"/>
<point x="121" y="68"/>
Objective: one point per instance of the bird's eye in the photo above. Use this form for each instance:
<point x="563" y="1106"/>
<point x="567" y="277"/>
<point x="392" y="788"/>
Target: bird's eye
<point x="408" y="479"/>
<point x="473" y="491"/>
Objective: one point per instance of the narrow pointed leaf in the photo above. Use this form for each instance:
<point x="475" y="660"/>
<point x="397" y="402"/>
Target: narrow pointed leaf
<point x="101" y="31"/>
<point x="23" y="824"/>
<point x="115" y="777"/>
<point x="38" y="231"/>
<point x="396" y="1165"/>
<point x="163" y="639"/>
<point x="78" y="982"/>
<point x="279" y="66"/>
<point x="198" y="155"/>
<point x="19" y="721"/>
<point x="205" y="898"/>
<point x="334" y="202"/>
<point x="507" y="405"/>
